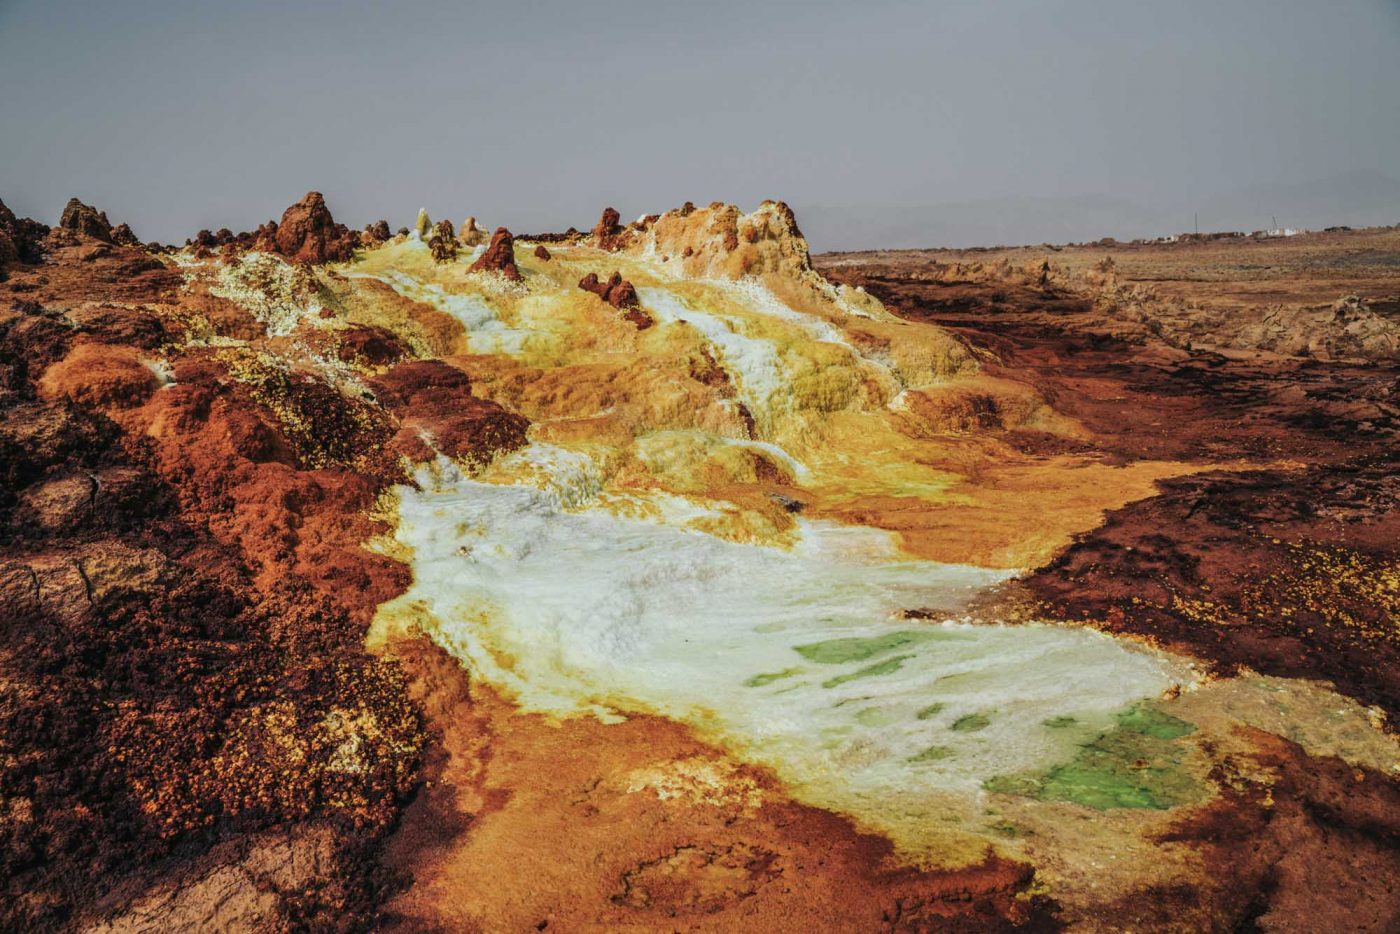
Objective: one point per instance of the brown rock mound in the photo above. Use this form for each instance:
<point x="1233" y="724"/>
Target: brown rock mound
<point x="607" y="231"/>
<point x="378" y="232"/>
<point x="620" y="294"/>
<point x="499" y="256"/>
<point x="615" y="290"/>
<point x="370" y="345"/>
<point x="86" y="220"/>
<point x="541" y="253"/>
<point x="123" y="235"/>
<point x="443" y="242"/>
<point x="24" y="235"/>
<point x="308" y="233"/>
<point x="8" y="253"/>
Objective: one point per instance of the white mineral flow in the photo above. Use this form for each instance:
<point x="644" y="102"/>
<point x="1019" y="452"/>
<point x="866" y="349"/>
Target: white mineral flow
<point x="795" y="658"/>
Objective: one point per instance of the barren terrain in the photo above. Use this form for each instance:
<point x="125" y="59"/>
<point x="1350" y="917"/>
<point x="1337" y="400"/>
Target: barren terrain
<point x="661" y="577"/>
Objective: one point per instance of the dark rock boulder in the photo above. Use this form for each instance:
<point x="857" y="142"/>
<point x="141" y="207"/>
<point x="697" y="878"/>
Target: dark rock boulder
<point x="620" y="294"/>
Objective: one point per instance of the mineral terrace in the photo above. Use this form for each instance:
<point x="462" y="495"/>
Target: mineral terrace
<point x="657" y="578"/>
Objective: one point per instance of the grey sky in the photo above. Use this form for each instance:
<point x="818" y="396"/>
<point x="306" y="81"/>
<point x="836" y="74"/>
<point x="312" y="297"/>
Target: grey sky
<point x="180" y="115"/>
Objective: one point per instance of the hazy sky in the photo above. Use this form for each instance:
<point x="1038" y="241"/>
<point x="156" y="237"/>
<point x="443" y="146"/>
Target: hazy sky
<point x="174" y="116"/>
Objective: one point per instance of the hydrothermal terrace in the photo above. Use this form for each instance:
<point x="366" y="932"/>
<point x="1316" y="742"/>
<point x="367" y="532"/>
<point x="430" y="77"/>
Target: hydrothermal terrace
<point x="647" y="579"/>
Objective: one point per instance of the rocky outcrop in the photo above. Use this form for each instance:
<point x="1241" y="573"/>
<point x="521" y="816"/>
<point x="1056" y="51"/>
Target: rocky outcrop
<point x="86" y="220"/>
<point x="378" y="232"/>
<point x="620" y="294"/>
<point x="541" y="253"/>
<point x="123" y="235"/>
<point x="254" y="708"/>
<point x="264" y="239"/>
<point x="100" y="376"/>
<point x="8" y="253"/>
<point x="24" y="236"/>
<point x="443" y="243"/>
<point x="614" y="290"/>
<point x="720" y="241"/>
<point x="308" y="234"/>
<point x="369" y="346"/>
<point x="499" y="256"/>
<point x="607" y="231"/>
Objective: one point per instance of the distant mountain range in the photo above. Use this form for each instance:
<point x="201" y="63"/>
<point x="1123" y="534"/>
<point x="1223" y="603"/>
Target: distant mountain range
<point x="1357" y="199"/>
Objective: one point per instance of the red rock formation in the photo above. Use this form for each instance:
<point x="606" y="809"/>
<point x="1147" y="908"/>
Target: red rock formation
<point x="541" y="253"/>
<point x="265" y="237"/>
<point x="308" y="233"/>
<point x="590" y="283"/>
<point x="620" y="294"/>
<point x="639" y="318"/>
<point x="86" y="220"/>
<point x="607" y="230"/>
<point x="184" y="606"/>
<point x="499" y="256"/>
<point x="623" y="295"/>
<point x="8" y="253"/>
<point x="100" y="376"/>
<point x="616" y="291"/>
<point x="122" y="235"/>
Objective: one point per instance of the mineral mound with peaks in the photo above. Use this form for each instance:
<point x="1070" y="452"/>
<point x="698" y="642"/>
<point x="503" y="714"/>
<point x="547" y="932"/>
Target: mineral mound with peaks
<point x="657" y="578"/>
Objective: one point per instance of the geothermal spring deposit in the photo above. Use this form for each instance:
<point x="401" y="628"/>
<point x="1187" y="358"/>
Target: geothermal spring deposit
<point x="653" y="578"/>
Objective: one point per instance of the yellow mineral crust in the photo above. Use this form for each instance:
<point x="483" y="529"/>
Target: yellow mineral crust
<point x="758" y="377"/>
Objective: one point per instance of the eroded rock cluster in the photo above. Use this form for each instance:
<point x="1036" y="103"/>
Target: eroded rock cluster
<point x="620" y="294"/>
<point x="443" y="242"/>
<point x="20" y="239"/>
